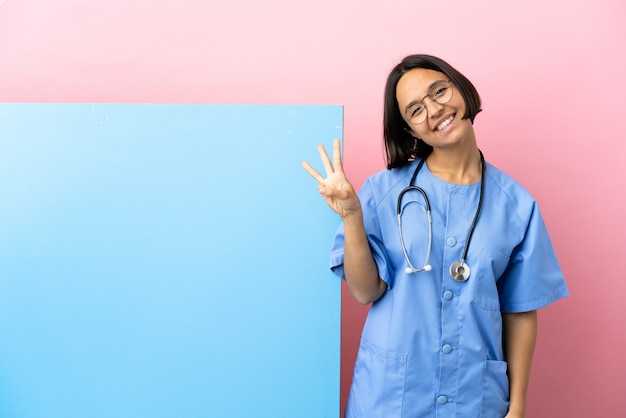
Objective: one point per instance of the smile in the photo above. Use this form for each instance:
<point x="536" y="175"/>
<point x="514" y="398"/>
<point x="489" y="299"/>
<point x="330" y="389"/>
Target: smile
<point x="444" y="123"/>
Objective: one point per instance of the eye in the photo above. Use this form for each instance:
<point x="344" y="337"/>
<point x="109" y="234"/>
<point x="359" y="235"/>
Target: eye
<point x="440" y="91"/>
<point x="414" y="111"/>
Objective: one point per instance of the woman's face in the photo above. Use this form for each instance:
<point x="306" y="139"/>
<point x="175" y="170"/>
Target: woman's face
<point x="443" y="125"/>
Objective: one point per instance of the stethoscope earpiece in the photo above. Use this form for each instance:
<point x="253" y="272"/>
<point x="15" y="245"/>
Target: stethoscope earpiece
<point x="410" y="270"/>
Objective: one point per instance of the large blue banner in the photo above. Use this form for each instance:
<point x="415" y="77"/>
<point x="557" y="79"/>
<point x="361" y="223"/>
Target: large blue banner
<point x="166" y="261"/>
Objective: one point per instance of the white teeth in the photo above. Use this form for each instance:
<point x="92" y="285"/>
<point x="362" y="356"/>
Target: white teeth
<point x="445" y="123"/>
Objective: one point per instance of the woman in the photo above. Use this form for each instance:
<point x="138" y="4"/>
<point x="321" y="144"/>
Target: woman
<point x="452" y="336"/>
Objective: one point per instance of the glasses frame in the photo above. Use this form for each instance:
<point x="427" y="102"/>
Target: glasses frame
<point x="429" y="95"/>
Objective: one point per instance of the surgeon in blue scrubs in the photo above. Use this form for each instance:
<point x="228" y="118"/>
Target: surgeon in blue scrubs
<point x="453" y="319"/>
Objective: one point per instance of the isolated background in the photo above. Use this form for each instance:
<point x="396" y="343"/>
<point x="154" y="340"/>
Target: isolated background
<point x="550" y="75"/>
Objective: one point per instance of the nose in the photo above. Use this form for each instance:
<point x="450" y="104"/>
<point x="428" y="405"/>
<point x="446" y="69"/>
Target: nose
<point x="432" y="107"/>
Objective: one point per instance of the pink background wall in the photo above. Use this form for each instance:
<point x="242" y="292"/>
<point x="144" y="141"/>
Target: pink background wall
<point x="551" y="75"/>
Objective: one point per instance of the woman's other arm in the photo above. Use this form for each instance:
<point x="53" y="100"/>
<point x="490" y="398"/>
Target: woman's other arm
<point x="520" y="336"/>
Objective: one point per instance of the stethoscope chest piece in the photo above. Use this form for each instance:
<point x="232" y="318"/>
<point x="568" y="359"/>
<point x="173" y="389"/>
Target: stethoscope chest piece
<point x="459" y="271"/>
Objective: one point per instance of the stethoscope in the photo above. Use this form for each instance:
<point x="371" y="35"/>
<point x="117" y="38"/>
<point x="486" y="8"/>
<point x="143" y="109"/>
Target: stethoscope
<point x="459" y="270"/>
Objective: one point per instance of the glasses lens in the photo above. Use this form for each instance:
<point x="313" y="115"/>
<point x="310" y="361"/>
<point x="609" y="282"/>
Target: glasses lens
<point x="416" y="114"/>
<point x="441" y="92"/>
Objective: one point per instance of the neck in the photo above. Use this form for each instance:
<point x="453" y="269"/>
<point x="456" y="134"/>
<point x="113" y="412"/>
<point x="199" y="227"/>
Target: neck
<point x="456" y="166"/>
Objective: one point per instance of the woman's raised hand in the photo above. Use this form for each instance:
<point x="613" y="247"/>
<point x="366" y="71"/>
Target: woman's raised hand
<point x="335" y="188"/>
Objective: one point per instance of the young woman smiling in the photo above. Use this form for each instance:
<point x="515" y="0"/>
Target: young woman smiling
<point x="452" y="336"/>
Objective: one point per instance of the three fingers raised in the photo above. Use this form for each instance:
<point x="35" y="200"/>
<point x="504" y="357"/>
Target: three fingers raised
<point x="329" y="166"/>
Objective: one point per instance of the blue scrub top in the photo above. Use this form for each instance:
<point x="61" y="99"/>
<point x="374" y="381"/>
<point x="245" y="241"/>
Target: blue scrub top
<point x="432" y="346"/>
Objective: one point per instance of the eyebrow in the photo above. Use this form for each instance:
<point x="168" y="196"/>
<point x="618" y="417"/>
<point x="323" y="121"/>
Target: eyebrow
<point x="406" y="108"/>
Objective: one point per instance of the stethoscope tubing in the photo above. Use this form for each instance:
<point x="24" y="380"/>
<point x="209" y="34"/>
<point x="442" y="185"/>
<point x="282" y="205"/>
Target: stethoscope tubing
<point x="459" y="270"/>
<point x="478" y="209"/>
<point x="426" y="266"/>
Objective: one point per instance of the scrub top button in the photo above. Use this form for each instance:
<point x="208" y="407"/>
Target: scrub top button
<point x="447" y="295"/>
<point x="442" y="399"/>
<point x="447" y="349"/>
<point x="451" y="241"/>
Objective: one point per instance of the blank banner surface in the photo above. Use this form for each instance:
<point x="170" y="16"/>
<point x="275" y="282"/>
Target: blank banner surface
<point x="166" y="261"/>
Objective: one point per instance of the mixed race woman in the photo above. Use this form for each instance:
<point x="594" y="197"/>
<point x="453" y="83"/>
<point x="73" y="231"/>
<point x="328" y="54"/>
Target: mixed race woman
<point x="452" y="253"/>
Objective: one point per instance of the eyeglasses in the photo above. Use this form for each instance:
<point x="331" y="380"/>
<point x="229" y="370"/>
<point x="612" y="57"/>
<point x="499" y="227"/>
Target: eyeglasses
<point x="440" y="93"/>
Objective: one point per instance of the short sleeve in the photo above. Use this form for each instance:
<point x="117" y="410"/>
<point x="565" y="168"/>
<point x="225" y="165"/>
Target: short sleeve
<point x="374" y="237"/>
<point x="533" y="278"/>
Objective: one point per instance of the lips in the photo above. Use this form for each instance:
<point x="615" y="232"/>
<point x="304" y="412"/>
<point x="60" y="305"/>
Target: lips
<point x="445" y="123"/>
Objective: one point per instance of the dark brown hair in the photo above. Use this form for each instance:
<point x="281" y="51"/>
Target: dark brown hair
<point x="401" y="147"/>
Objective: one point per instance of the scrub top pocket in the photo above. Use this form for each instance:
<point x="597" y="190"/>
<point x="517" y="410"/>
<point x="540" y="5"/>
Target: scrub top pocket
<point x="495" y="390"/>
<point x="378" y="384"/>
<point x="491" y="266"/>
